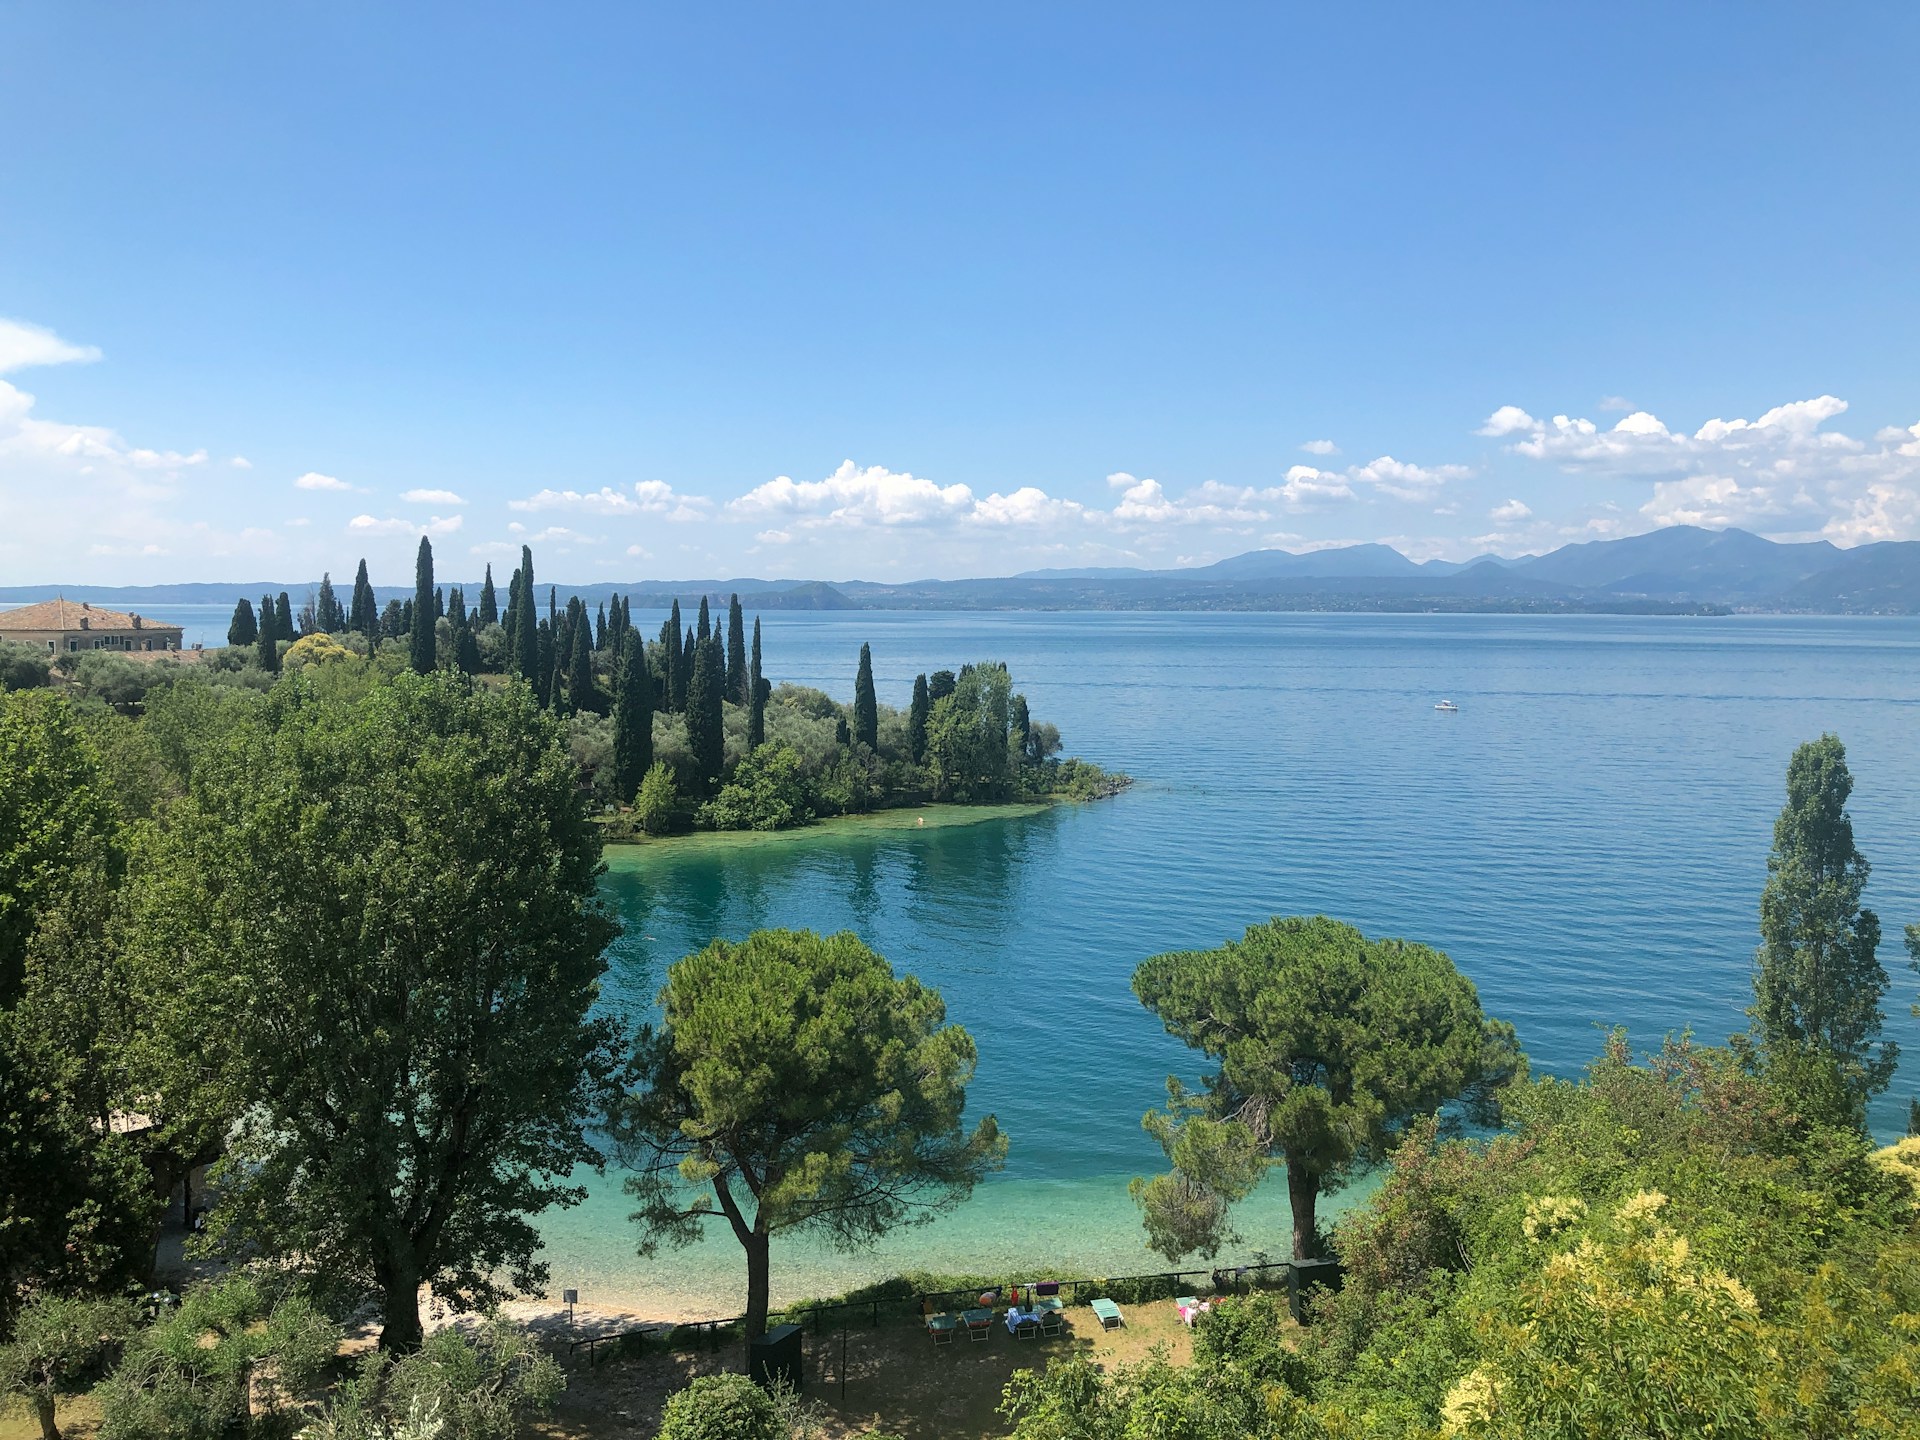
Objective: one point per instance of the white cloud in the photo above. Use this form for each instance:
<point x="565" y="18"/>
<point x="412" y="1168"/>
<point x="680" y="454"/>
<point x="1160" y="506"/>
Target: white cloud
<point x="23" y="345"/>
<point x="1615" y="402"/>
<point x="435" y="525"/>
<point x="314" y="480"/>
<point x="648" y="497"/>
<point x="240" y="462"/>
<point x="638" y="553"/>
<point x="1028" y="507"/>
<point x="431" y="497"/>
<point x="772" y="537"/>
<point x="1511" y="511"/>
<point x="856" y="497"/>
<point x="1307" y="488"/>
<point x="1404" y="481"/>
<point x="1321" y="447"/>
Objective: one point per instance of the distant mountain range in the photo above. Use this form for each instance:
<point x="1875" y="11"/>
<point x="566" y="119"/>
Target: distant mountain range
<point x="1681" y="569"/>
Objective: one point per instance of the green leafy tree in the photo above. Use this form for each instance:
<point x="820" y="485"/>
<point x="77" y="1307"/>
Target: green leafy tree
<point x="866" y="709"/>
<point x="489" y="601"/>
<point x="421" y="652"/>
<point x="408" y="1006"/>
<point x="706" y="722"/>
<point x="364" y="613"/>
<point x="657" y="805"/>
<point x="1325" y="1045"/>
<point x="967" y="735"/>
<point x="1818" y="980"/>
<point x="721" y="1407"/>
<point x="484" y="1386"/>
<point x="632" y="720"/>
<point x="243" y="629"/>
<point x="802" y="1086"/>
<point x="57" y="1341"/>
<point x="768" y="791"/>
<point x="917" y="714"/>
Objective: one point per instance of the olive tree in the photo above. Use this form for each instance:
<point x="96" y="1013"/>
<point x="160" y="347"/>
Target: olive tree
<point x="1325" y="1044"/>
<point x="794" y="1082"/>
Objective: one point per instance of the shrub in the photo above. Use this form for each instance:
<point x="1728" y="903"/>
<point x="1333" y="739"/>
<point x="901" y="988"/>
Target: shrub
<point x="657" y="805"/>
<point x="720" y="1407"/>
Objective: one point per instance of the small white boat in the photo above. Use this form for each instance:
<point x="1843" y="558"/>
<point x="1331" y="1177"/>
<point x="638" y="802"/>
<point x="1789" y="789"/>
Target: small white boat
<point x="1448" y="706"/>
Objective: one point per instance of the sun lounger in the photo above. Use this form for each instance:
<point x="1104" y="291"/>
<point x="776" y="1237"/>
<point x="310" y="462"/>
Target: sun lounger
<point x="1186" y="1302"/>
<point x="1109" y="1314"/>
<point x="942" y="1328"/>
<point x="979" y="1323"/>
<point x="1052" y="1323"/>
<point x="1191" y="1309"/>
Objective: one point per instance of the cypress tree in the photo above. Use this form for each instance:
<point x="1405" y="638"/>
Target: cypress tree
<point x="580" y="689"/>
<point x="676" y="672"/>
<point x="243" y="629"/>
<point x="365" y="615"/>
<point x="457" y="606"/>
<point x="543" y="663"/>
<point x="1022" y="727"/>
<point x="737" y="690"/>
<point x="326" y="607"/>
<point x="283" y="617"/>
<point x="756" y="696"/>
<point x="917" y="719"/>
<point x="866" y="709"/>
<point x="600" y="625"/>
<point x="267" y="650"/>
<point x="421" y="655"/>
<point x="842" y="736"/>
<point x="266" y="622"/>
<point x="406" y="622"/>
<point x="706" y="725"/>
<point x="489" y="603"/>
<point x="939" y="685"/>
<point x="687" y="643"/>
<point x="632" y="718"/>
<point x="526" y="640"/>
<point x="704" y="629"/>
<point x="1817" y="981"/>
<point x="439" y="604"/>
<point x="467" y="654"/>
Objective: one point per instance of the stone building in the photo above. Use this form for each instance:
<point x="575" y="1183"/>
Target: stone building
<point x="59" y="627"/>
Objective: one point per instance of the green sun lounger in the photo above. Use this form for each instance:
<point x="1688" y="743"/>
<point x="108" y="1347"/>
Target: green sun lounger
<point x="1109" y="1314"/>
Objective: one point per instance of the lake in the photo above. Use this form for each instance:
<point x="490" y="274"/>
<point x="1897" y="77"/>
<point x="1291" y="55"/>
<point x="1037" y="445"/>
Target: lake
<point x="1586" y="837"/>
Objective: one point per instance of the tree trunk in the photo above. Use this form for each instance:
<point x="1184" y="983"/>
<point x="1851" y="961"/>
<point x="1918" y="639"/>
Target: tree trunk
<point x="758" y="1283"/>
<point x="402" y="1333"/>
<point x="43" y="1407"/>
<point x="1303" y="1190"/>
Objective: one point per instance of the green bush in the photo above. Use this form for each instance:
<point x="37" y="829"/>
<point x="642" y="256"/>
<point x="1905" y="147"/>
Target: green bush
<point x="767" y="792"/>
<point x="22" y="668"/>
<point x="720" y="1407"/>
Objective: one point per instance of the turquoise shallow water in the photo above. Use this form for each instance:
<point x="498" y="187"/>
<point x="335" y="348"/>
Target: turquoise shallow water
<point x="1587" y="838"/>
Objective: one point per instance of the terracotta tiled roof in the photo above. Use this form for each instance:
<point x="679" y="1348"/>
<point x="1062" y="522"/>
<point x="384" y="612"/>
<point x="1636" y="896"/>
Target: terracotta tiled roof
<point x="67" y="615"/>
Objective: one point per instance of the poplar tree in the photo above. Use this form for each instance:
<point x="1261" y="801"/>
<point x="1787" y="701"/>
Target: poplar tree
<point x="421" y="654"/>
<point x="326" y="607"/>
<point x="243" y="629"/>
<point x="632" y="719"/>
<point x="706" y="726"/>
<point x="283" y="617"/>
<point x="1818" y="980"/>
<point x="866" y="710"/>
<point x="526" y="639"/>
<point x="365" y="615"/>
<point x="737" y="653"/>
<point x="917" y="719"/>
<point x="489" y="603"/>
<point x="756" y="696"/>
<point x="580" y="689"/>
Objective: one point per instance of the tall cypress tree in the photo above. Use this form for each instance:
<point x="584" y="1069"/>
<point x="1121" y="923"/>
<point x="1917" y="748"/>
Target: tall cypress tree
<point x="687" y="642"/>
<point x="580" y="690"/>
<point x="439" y="603"/>
<point x="737" y="653"/>
<point x="1817" y="981"/>
<point x="917" y="719"/>
<point x="489" y="602"/>
<point x="632" y="718"/>
<point x="706" y="723"/>
<point x="457" y="605"/>
<point x="421" y="651"/>
<point x="543" y="663"/>
<point x="283" y="617"/>
<point x="1021" y="730"/>
<point x="866" y="709"/>
<point x="526" y="640"/>
<point x="756" y="696"/>
<point x="600" y="626"/>
<point x="676" y="672"/>
<point x="326" y="607"/>
<point x="243" y="629"/>
<point x="704" y="629"/>
<point x="365" y="614"/>
<point x="266" y="651"/>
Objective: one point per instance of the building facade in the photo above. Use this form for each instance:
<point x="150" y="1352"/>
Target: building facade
<point x="64" y="627"/>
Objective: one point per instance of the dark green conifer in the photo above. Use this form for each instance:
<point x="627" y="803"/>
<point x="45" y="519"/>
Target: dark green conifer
<point x="543" y="663"/>
<point x="425" y="611"/>
<point x="393" y="621"/>
<point x="526" y="661"/>
<point x="267" y="650"/>
<point x="706" y="723"/>
<point x="283" y="617"/>
<point x="365" y="614"/>
<point x="243" y="629"/>
<point x="756" y="696"/>
<point x="704" y="629"/>
<point x="489" y="602"/>
<point x="842" y="736"/>
<point x="1021" y="730"/>
<point x="866" y="709"/>
<point x="580" y="689"/>
<point x="600" y="627"/>
<point x="406" y="622"/>
<point x="439" y="604"/>
<point x="632" y="718"/>
<point x="940" y="684"/>
<point x="737" y="690"/>
<point x="326" y="607"/>
<point x="457" y="606"/>
<point x="676" y="673"/>
<point x="917" y="719"/>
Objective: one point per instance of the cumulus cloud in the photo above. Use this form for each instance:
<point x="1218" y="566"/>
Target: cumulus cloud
<point x="23" y="345"/>
<point x="314" y="480"/>
<point x="647" y="497"/>
<point x="393" y="525"/>
<point x="1511" y="511"/>
<point x="1321" y="447"/>
<point x="431" y="497"/>
<point x="856" y="497"/>
<point x="240" y="462"/>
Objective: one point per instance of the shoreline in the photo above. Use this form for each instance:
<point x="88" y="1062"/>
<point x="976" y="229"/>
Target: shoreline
<point x="904" y="818"/>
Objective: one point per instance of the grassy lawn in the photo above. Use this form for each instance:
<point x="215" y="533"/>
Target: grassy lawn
<point x="78" y="1419"/>
<point x="898" y="1380"/>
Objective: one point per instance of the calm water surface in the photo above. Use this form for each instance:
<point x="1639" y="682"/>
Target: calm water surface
<point x="1587" y="838"/>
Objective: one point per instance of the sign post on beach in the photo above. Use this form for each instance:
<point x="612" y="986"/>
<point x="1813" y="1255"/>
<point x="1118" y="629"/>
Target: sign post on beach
<point x="571" y="1298"/>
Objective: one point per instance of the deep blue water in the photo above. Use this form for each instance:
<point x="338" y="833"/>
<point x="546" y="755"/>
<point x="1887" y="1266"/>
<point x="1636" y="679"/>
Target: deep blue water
<point x="1587" y="838"/>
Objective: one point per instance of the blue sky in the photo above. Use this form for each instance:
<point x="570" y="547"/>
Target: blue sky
<point x="891" y="291"/>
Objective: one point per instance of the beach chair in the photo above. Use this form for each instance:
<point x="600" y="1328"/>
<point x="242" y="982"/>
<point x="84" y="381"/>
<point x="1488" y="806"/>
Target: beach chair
<point x="979" y="1324"/>
<point x="942" y="1328"/>
<point x="1052" y="1323"/>
<point x="1109" y="1314"/>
